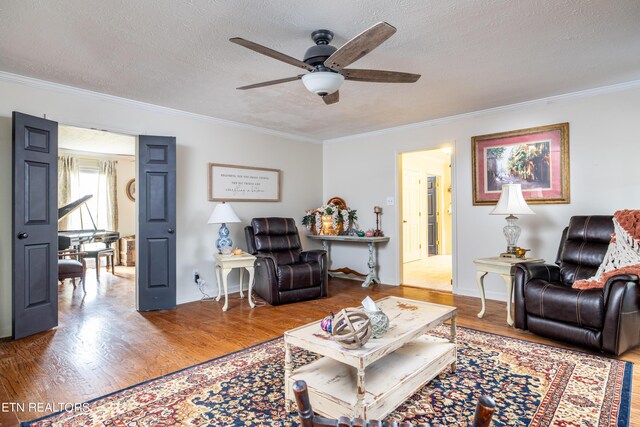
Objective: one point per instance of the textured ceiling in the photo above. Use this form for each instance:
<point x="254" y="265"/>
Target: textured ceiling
<point x="95" y="141"/>
<point x="472" y="54"/>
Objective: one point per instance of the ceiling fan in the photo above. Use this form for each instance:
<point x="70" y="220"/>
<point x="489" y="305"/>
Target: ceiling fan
<point x="327" y="63"/>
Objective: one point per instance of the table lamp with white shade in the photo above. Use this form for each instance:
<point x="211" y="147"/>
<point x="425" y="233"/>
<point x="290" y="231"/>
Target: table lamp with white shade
<point x="223" y="214"/>
<point x="512" y="203"/>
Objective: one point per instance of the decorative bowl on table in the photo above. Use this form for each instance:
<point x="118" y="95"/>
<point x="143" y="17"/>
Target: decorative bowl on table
<point x="379" y="323"/>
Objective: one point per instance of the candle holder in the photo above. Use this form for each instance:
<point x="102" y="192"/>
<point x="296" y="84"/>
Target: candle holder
<point x="377" y="233"/>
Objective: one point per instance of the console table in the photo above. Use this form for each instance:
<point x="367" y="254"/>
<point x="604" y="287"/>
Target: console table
<point x="372" y="276"/>
<point x="505" y="267"/>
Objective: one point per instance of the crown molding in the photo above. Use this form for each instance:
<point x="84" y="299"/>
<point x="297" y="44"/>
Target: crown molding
<point x="634" y="84"/>
<point x="43" y="84"/>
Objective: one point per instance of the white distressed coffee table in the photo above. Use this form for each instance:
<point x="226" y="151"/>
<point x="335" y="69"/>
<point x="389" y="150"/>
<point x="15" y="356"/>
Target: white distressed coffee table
<point x="373" y="380"/>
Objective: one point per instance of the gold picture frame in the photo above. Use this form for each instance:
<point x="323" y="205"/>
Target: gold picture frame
<point x="537" y="158"/>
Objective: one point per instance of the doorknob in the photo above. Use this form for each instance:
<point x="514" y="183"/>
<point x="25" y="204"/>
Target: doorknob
<point x="22" y="235"/>
<point x="404" y="222"/>
<point x="171" y="231"/>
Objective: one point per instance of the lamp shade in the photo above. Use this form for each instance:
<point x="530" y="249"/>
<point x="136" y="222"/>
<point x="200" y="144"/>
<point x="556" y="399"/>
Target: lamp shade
<point x="223" y="213"/>
<point x="512" y="202"/>
<point x="322" y="82"/>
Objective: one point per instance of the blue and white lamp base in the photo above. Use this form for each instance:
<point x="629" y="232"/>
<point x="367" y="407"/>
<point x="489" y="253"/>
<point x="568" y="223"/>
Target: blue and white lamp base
<point x="223" y="238"/>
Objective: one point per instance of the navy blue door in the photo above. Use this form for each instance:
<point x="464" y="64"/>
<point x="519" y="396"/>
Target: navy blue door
<point x="432" y="216"/>
<point x="35" y="225"/>
<point x="156" y="250"/>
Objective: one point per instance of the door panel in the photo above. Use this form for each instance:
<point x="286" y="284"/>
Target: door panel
<point x="432" y="216"/>
<point x="157" y="209"/>
<point x="36" y="177"/>
<point x="35" y="225"/>
<point x="158" y="263"/>
<point x="410" y="215"/>
<point x="36" y="273"/>
<point x="156" y="223"/>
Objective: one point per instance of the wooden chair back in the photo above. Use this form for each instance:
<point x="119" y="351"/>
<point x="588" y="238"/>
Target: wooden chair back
<point x="482" y="417"/>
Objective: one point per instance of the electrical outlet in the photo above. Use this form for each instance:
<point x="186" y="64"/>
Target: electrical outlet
<point x="391" y="201"/>
<point x="196" y="276"/>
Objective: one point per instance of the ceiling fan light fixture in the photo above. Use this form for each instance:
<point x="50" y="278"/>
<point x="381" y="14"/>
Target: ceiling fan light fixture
<point x="322" y="82"/>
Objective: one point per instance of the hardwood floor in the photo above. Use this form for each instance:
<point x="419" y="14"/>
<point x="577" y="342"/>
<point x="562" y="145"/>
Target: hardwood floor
<point x="103" y="344"/>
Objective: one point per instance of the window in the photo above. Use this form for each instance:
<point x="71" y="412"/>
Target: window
<point x="88" y="183"/>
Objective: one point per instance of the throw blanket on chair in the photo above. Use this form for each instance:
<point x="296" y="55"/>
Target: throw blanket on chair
<point x="623" y="254"/>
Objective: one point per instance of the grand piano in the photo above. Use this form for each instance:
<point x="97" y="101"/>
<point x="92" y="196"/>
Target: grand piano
<point x="75" y="238"/>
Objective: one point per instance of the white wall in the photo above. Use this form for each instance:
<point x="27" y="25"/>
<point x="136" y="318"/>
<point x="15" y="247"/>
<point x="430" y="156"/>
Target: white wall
<point x="604" y="152"/>
<point x="199" y="141"/>
<point x="126" y="170"/>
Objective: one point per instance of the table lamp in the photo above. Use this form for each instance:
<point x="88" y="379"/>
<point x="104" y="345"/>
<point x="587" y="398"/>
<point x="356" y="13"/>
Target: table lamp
<point x="223" y="214"/>
<point x="512" y="203"/>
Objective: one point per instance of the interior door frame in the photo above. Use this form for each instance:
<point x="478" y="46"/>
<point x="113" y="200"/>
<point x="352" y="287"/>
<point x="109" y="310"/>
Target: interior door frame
<point x="451" y="144"/>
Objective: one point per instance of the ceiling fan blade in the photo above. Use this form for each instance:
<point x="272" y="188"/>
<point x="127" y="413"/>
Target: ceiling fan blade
<point x="270" y="83"/>
<point x="379" y="76"/>
<point x="270" y="53"/>
<point x="359" y="46"/>
<point x="332" y="98"/>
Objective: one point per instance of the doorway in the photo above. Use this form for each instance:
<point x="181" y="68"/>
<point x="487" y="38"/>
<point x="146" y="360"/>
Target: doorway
<point x="99" y="168"/>
<point x="426" y="221"/>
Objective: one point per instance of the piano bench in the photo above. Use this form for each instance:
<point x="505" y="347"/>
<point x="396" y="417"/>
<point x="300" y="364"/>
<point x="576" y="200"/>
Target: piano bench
<point x="108" y="253"/>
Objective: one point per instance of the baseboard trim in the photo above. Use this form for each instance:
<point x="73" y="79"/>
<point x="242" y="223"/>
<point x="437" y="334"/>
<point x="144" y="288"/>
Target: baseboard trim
<point x="468" y="292"/>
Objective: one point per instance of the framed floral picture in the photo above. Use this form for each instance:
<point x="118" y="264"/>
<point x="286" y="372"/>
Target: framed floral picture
<point x="537" y="158"/>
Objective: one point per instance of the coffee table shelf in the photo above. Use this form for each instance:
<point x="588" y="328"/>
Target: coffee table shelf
<point x="333" y="385"/>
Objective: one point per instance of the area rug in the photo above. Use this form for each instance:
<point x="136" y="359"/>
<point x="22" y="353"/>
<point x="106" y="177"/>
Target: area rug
<point x="532" y="384"/>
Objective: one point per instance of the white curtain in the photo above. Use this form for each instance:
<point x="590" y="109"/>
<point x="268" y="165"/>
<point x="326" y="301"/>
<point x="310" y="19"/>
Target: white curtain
<point x="68" y="185"/>
<point x="107" y="216"/>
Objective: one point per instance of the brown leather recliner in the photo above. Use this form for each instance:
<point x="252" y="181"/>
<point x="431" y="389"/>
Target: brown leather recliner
<point x="283" y="272"/>
<point x="605" y="319"/>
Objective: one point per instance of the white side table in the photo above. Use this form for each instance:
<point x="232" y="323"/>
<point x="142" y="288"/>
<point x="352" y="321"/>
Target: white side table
<point x="505" y="267"/>
<point x="226" y="263"/>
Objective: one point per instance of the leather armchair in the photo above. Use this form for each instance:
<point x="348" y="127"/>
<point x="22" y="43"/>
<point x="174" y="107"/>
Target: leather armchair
<point x="283" y="272"/>
<point x="606" y="319"/>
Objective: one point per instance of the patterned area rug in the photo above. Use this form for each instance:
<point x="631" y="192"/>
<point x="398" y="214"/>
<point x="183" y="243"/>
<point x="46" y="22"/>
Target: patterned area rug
<point x="532" y="384"/>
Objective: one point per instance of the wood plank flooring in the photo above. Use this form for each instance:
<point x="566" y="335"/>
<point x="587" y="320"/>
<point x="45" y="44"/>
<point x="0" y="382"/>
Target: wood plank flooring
<point x="103" y="344"/>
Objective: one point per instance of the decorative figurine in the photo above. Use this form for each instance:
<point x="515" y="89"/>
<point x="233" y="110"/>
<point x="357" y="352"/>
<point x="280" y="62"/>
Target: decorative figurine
<point x="326" y="323"/>
<point x="352" y="328"/>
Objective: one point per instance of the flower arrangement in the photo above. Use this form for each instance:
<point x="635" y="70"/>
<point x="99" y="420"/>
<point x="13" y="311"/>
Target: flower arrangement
<point x="346" y="217"/>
